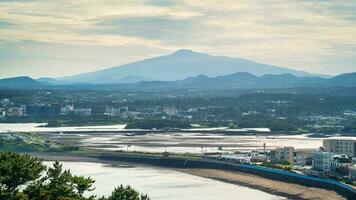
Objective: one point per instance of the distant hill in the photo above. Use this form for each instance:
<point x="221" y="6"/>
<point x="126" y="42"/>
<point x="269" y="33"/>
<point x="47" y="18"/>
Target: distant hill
<point x="244" y="80"/>
<point x="239" y="80"/>
<point x="19" y="82"/>
<point x="131" y="79"/>
<point x="343" y="79"/>
<point x="179" y="65"/>
<point x="47" y="80"/>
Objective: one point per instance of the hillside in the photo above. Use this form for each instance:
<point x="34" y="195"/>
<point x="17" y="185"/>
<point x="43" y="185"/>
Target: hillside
<point x="21" y="81"/>
<point x="177" y="66"/>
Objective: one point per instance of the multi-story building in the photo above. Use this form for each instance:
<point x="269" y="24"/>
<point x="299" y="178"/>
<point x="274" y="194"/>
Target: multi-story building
<point x="2" y="112"/>
<point x="5" y="102"/>
<point x="303" y="157"/>
<point x="352" y="172"/>
<point x="15" y="112"/>
<point x="124" y="110"/>
<point x="67" y="109"/>
<point x="340" y="146"/>
<point x="285" y="154"/>
<point x="170" y="110"/>
<point x="340" y="164"/>
<point x="110" y="111"/>
<point x="82" y="111"/>
<point x="322" y="161"/>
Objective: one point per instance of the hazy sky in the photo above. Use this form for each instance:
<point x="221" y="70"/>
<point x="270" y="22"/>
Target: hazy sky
<point x="56" y="38"/>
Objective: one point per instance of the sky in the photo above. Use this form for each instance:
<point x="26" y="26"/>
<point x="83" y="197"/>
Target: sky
<point x="49" y="38"/>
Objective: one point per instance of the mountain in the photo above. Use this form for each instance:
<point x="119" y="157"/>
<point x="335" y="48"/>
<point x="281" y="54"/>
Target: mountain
<point x="19" y="82"/>
<point x="238" y="80"/>
<point x="342" y="80"/>
<point x="131" y="79"/>
<point x="180" y="65"/>
<point x="244" y="80"/>
<point x="47" y="80"/>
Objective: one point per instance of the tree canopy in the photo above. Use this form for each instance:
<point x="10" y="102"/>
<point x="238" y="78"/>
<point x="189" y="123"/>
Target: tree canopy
<point x="53" y="183"/>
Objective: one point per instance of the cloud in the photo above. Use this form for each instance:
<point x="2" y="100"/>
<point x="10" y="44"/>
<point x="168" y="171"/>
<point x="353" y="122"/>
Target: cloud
<point x="164" y="3"/>
<point x="308" y="35"/>
<point x="4" y="24"/>
<point x="164" y="29"/>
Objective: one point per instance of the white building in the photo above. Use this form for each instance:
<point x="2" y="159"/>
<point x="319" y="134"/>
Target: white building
<point x="285" y="154"/>
<point x="170" y="110"/>
<point x="15" y="112"/>
<point x="230" y="158"/>
<point x="67" y="109"/>
<point x="340" y="146"/>
<point x="352" y="172"/>
<point x="303" y="157"/>
<point x="82" y="111"/>
<point x="5" y="102"/>
<point x="110" y="111"/>
<point x="322" y="161"/>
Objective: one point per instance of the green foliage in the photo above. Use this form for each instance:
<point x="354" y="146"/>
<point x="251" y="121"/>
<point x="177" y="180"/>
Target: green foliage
<point x="76" y="120"/>
<point x="126" y="193"/>
<point x="281" y="109"/>
<point x="17" y="169"/>
<point x="283" y="166"/>
<point x="158" y="124"/>
<point x="82" y="184"/>
<point x="28" y="142"/>
<point x="52" y="184"/>
<point x="57" y="183"/>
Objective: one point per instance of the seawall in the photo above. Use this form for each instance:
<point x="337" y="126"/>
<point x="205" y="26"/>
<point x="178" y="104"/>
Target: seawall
<point x="264" y="172"/>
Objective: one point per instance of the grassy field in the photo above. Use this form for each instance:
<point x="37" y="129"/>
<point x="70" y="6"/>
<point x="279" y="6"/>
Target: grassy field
<point x="29" y="142"/>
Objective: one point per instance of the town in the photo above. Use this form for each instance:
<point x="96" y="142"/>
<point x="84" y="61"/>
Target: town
<point x="285" y="111"/>
<point x="304" y="134"/>
<point x="335" y="159"/>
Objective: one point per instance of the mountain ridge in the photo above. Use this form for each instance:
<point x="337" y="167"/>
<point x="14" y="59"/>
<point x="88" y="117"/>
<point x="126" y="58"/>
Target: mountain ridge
<point x="238" y="80"/>
<point x="179" y="65"/>
<point x="19" y="81"/>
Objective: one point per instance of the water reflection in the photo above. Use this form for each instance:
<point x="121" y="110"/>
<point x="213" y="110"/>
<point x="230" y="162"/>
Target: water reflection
<point x="162" y="183"/>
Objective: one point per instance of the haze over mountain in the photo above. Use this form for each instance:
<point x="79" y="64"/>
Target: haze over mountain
<point x="244" y="80"/>
<point x="19" y="82"/>
<point x="177" y="66"/>
<point x="238" y="80"/>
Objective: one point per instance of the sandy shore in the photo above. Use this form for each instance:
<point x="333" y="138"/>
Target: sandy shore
<point x="289" y="190"/>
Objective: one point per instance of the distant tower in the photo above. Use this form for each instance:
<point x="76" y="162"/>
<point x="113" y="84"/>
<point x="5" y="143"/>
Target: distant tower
<point x="264" y="151"/>
<point x="264" y="148"/>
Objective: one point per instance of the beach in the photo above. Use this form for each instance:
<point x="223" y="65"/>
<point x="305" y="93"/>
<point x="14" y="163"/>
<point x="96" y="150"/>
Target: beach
<point x="283" y="189"/>
<point x="289" y="190"/>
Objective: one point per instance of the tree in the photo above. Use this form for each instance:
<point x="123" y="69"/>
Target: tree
<point x="16" y="170"/>
<point x="55" y="184"/>
<point x="82" y="184"/>
<point x="127" y="193"/>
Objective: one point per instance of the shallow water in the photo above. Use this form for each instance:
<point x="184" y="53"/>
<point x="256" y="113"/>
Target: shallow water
<point x="171" y="142"/>
<point x="162" y="184"/>
<point x="36" y="127"/>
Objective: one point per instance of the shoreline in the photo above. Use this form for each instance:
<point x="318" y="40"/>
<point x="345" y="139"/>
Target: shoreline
<point x="288" y="190"/>
<point x="278" y="188"/>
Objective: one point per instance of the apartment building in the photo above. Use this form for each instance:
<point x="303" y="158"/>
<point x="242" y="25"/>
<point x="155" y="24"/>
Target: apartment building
<point x="322" y="161"/>
<point x="340" y="164"/>
<point x="285" y="154"/>
<point x="340" y="146"/>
